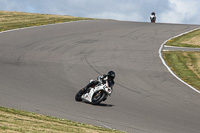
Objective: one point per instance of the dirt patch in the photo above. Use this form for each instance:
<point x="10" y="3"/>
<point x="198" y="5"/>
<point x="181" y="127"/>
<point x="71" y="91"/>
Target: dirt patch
<point x="193" y="41"/>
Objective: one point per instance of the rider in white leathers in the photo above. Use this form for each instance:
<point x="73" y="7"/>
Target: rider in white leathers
<point x="153" y="17"/>
<point x="101" y="79"/>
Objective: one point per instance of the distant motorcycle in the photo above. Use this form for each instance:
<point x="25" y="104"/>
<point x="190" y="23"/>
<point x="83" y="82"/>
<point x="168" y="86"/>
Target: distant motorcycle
<point x="96" y="94"/>
<point x="153" y="19"/>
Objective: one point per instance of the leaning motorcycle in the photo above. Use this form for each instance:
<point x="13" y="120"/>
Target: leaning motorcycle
<point x="96" y="94"/>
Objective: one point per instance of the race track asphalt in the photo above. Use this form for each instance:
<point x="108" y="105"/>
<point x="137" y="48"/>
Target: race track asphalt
<point x="171" y="48"/>
<point x="42" y="68"/>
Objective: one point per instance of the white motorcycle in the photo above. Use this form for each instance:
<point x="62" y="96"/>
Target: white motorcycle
<point x="153" y="18"/>
<point x="96" y="94"/>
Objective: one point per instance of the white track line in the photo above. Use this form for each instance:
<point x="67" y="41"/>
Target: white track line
<point x="163" y="61"/>
<point x="42" y="26"/>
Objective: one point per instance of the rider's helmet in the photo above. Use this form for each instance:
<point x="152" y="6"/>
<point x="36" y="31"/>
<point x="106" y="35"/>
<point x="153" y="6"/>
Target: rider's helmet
<point x="111" y="75"/>
<point x="153" y="13"/>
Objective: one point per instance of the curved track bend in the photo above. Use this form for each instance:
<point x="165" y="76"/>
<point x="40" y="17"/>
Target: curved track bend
<point x="42" y="68"/>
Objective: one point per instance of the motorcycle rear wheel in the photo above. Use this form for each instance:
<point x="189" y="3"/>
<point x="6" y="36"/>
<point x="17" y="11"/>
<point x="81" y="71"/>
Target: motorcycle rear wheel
<point x="98" y="97"/>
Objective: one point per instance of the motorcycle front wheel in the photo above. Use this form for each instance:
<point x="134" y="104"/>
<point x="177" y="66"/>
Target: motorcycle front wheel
<point x="98" y="97"/>
<point x="78" y="95"/>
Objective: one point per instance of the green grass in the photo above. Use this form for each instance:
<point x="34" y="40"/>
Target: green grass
<point x="180" y="41"/>
<point x="12" y="120"/>
<point x="185" y="65"/>
<point x="13" y="20"/>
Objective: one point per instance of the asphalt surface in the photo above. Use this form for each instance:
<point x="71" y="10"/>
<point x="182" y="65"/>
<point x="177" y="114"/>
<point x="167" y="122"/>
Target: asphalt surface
<point x="42" y="68"/>
<point x="171" y="48"/>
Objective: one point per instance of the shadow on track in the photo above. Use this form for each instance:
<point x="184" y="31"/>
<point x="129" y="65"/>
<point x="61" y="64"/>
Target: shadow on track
<point x="100" y="105"/>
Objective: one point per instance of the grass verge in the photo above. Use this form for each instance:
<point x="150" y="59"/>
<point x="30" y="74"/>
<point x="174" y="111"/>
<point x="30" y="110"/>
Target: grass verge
<point x="13" y="20"/>
<point x="191" y="39"/>
<point x="12" y="120"/>
<point x="186" y="65"/>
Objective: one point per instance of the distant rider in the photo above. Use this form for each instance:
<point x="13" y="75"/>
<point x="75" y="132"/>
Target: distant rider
<point x="102" y="79"/>
<point x="153" y="17"/>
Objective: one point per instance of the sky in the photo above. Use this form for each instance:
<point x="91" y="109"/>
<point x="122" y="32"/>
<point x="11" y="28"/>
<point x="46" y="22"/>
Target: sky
<point x="167" y="11"/>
